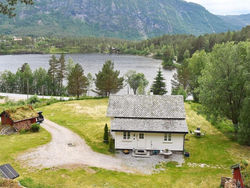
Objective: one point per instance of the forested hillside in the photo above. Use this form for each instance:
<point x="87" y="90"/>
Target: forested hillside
<point x="132" y="19"/>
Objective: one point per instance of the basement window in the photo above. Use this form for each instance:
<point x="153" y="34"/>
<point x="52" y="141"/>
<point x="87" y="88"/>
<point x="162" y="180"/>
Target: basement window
<point x="141" y="136"/>
<point x="126" y="135"/>
<point x="167" y="137"/>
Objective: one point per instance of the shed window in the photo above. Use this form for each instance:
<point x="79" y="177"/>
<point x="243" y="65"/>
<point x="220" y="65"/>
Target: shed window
<point x="141" y="136"/>
<point x="126" y="135"/>
<point x="167" y="137"/>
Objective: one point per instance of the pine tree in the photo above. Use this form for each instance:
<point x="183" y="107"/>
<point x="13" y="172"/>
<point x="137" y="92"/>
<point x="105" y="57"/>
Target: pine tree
<point x="52" y="72"/>
<point x="61" y="72"/>
<point x="159" y="86"/>
<point x="77" y="81"/>
<point x="108" y="80"/>
<point x="106" y="134"/>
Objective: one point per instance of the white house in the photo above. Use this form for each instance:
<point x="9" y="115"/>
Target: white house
<point x="152" y="123"/>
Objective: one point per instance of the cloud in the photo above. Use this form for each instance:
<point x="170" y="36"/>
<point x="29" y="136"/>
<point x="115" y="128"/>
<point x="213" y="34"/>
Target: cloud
<point x="225" y="7"/>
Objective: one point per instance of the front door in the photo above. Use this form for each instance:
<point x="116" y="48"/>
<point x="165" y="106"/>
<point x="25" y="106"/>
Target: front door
<point x="141" y="141"/>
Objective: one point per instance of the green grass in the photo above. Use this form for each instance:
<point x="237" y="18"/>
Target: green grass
<point x="87" y="118"/>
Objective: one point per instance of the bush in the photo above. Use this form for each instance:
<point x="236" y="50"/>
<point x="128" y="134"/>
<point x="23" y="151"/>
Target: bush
<point x="111" y="145"/>
<point x="23" y="131"/>
<point x="51" y="101"/>
<point x="35" y="127"/>
<point x="33" y="100"/>
<point x="106" y="134"/>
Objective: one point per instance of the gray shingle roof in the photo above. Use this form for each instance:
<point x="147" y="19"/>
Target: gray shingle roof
<point x="150" y="106"/>
<point x="149" y="125"/>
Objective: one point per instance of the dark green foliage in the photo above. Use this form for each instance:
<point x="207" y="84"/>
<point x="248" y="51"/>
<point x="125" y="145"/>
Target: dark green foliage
<point x="179" y="91"/>
<point x="77" y="81"/>
<point x="111" y="145"/>
<point x="23" y="131"/>
<point x="8" y="7"/>
<point x="33" y="100"/>
<point x="107" y="80"/>
<point x="195" y="66"/>
<point x="168" y="58"/>
<point x="35" y="127"/>
<point x="106" y="134"/>
<point x="244" y="127"/>
<point x="25" y="81"/>
<point x="159" y="86"/>
<point x="222" y="86"/>
<point x="52" y="72"/>
<point x="61" y="72"/>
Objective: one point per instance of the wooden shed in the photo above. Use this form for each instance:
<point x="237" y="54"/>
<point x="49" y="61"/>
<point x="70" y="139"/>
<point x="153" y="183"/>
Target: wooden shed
<point x="19" y="118"/>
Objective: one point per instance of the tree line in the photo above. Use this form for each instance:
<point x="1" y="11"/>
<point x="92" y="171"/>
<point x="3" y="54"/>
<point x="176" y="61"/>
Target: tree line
<point x="69" y="79"/>
<point x="220" y="81"/>
<point x="169" y="48"/>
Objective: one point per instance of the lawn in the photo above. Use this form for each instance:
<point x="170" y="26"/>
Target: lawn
<point x="87" y="118"/>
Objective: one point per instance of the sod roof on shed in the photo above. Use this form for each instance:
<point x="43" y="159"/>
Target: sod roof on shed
<point x="21" y="113"/>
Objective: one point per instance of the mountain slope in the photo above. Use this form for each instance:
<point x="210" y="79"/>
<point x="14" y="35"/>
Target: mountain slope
<point x="239" y="20"/>
<point x="130" y="19"/>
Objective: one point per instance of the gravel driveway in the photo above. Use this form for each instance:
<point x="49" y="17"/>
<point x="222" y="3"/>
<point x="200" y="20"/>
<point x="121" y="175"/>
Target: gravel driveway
<point x="59" y="152"/>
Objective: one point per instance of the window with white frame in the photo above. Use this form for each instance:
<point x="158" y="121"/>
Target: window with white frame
<point x="126" y="135"/>
<point x="167" y="137"/>
<point x="141" y="136"/>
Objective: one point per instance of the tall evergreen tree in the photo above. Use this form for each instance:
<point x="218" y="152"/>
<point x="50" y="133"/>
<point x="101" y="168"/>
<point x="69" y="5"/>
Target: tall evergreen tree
<point x="159" y="86"/>
<point x="61" y="72"/>
<point x="108" y="80"/>
<point x="106" y="134"/>
<point x="40" y="81"/>
<point x="26" y="78"/>
<point x="77" y="82"/>
<point x="52" y="72"/>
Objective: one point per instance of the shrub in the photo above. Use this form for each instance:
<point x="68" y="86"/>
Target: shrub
<point x="23" y="131"/>
<point x="33" y="100"/>
<point x="111" y="145"/>
<point x="51" y="101"/>
<point x="35" y="127"/>
<point x="106" y="134"/>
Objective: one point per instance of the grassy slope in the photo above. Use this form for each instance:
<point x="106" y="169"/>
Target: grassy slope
<point x="87" y="118"/>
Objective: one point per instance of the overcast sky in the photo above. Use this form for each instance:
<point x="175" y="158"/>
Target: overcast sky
<point x="225" y="7"/>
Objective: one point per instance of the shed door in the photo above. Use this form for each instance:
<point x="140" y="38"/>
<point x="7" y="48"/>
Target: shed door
<point x="141" y="141"/>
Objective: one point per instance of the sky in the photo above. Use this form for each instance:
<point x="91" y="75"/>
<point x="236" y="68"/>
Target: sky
<point x="225" y="7"/>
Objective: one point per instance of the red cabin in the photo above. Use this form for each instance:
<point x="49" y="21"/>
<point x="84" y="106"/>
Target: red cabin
<point x="237" y="175"/>
<point x="19" y="118"/>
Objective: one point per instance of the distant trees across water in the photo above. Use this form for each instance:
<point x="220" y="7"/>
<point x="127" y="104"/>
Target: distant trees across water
<point x="51" y="82"/>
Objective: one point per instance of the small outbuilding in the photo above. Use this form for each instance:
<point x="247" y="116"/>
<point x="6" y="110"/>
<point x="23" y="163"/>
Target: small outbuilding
<point x="20" y="118"/>
<point x="151" y="123"/>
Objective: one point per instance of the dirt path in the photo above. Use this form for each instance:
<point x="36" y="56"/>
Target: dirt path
<point x="59" y="153"/>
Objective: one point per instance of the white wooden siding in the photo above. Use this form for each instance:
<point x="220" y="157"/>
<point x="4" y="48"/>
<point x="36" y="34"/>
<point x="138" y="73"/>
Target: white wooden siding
<point x="151" y="141"/>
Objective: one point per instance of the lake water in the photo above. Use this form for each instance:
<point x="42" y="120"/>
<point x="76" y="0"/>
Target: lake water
<point x="92" y="63"/>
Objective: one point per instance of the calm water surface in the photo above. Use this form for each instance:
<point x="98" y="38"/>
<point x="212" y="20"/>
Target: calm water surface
<point x="92" y="63"/>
